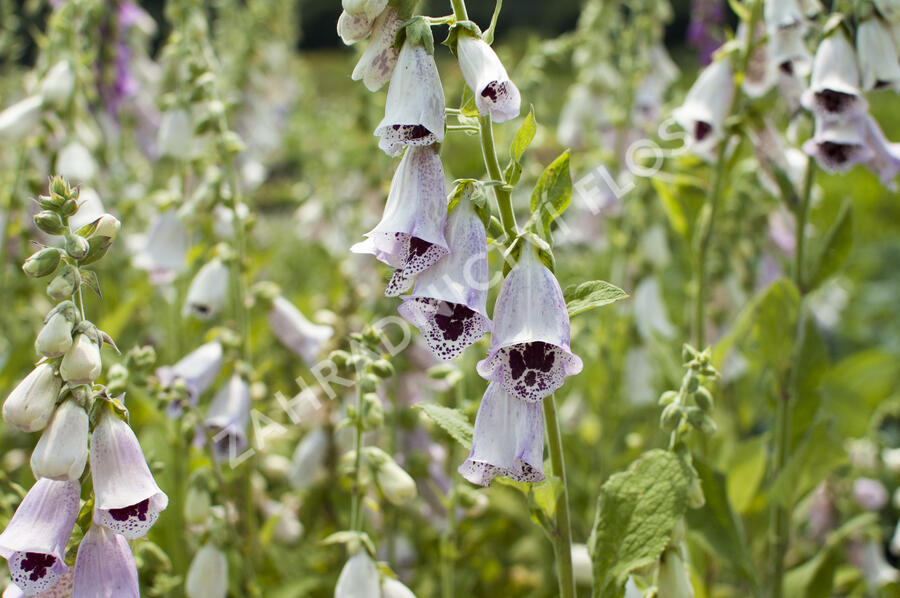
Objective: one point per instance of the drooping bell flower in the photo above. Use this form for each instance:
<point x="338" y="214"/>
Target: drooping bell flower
<point x="31" y="403"/>
<point x="18" y="120"/>
<point x="870" y="494"/>
<point x="877" y="56"/>
<point x="61" y="589"/>
<point x="885" y="159"/>
<point x="410" y="236"/>
<point x="57" y="85"/>
<point x="308" y="460"/>
<point x="834" y="93"/>
<point x="62" y="451"/>
<point x="414" y="112"/>
<point x="761" y="74"/>
<point x="530" y="354"/>
<point x="55" y="338"/>
<point x="164" y="252"/>
<point x="198" y="369"/>
<point x="839" y="145"/>
<point x="449" y="302"/>
<point x="508" y="440"/>
<point x="376" y="65"/>
<point x="673" y="579"/>
<point x="75" y="163"/>
<point x="81" y="364"/>
<point x="495" y="94"/>
<point x="354" y="28"/>
<point x="358" y="578"/>
<point x="227" y="418"/>
<point x="370" y="8"/>
<point x="787" y="28"/>
<point x="126" y="497"/>
<point x="175" y="137"/>
<point x="650" y="94"/>
<point x="296" y="332"/>
<point x="208" y="574"/>
<point x="394" y="588"/>
<point x="34" y="542"/>
<point x="105" y="567"/>
<point x="704" y="110"/>
<point x="207" y="293"/>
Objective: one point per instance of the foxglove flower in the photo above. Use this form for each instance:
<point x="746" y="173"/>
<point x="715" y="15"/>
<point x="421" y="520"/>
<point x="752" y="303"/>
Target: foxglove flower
<point x="31" y="403"/>
<point x="885" y="159"/>
<point x="377" y="63"/>
<point x="358" y="578"/>
<point x="61" y="589"/>
<point x="207" y="293"/>
<point x="449" y="303"/>
<point x="582" y="566"/>
<point x="227" y="418"/>
<point x="508" y="440"/>
<point x="787" y="28"/>
<point x="650" y="313"/>
<point x="296" y="332"/>
<point x="650" y="95"/>
<point x="889" y="9"/>
<point x="19" y="119"/>
<point x="34" y="542"/>
<point x="164" y="251"/>
<point x="530" y="355"/>
<point x="414" y="113"/>
<point x="126" y="497"/>
<point x="398" y="486"/>
<point x="176" y="135"/>
<point x="877" y="56"/>
<point x="62" y="451"/>
<point x="393" y="588"/>
<point x="58" y="84"/>
<point x="308" y="460"/>
<point x="76" y="163"/>
<point x="410" y="236"/>
<point x="673" y="579"/>
<point x="704" y="110"/>
<point x="198" y="369"/>
<point x="208" y="574"/>
<point x="369" y="8"/>
<point x="81" y="364"/>
<point x="834" y="93"/>
<point x="353" y="28"/>
<point x="869" y="494"/>
<point x="838" y="146"/>
<point x="495" y="94"/>
<point x="104" y="567"/>
<point x="90" y="208"/>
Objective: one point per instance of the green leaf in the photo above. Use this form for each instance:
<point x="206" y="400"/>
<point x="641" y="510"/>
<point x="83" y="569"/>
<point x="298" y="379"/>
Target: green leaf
<point x="89" y="277"/>
<point x="552" y="195"/>
<point x="834" y="250"/>
<point x="820" y="451"/>
<point x="746" y="470"/>
<point x="588" y="295"/>
<point x="718" y="527"/>
<point x="542" y="498"/>
<point x="452" y="421"/>
<point x="637" y="511"/>
<point x="489" y="34"/>
<point x="522" y="140"/>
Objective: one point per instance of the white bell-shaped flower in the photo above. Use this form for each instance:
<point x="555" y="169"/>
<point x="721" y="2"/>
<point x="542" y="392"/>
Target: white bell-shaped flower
<point x="55" y="338"/>
<point x="175" y="137"/>
<point x="81" y="364"/>
<point x="877" y="56"/>
<point x="105" y="566"/>
<point x="308" y="460"/>
<point x="495" y="93"/>
<point x="376" y="65"/>
<point x="369" y="8"/>
<point x="208" y="574"/>
<point x="62" y="451"/>
<point x="58" y="84"/>
<point x="704" y="110"/>
<point x="208" y="291"/>
<point x="394" y="588"/>
<point x="353" y="28"/>
<point x="296" y="332"/>
<point x="32" y="402"/>
<point x="889" y="9"/>
<point x="165" y="249"/>
<point x="839" y="145"/>
<point x="358" y="578"/>
<point x="673" y="579"/>
<point x="885" y="159"/>
<point x="787" y="28"/>
<point x="414" y="112"/>
<point x="21" y="118"/>
<point x="76" y="163"/>
<point x="834" y="93"/>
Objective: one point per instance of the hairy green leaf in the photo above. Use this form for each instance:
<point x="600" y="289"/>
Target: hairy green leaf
<point x="588" y="295"/>
<point x="552" y="195"/>
<point x="452" y="421"/>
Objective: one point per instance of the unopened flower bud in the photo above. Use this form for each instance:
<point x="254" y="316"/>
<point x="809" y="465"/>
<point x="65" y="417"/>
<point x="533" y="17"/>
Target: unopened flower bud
<point x="582" y="565"/>
<point x="31" y="403"/>
<point x="372" y="411"/>
<point x="55" y="338"/>
<point x="197" y="506"/>
<point x="18" y="120"/>
<point x="691" y="382"/>
<point x="695" y="497"/>
<point x="81" y="363"/>
<point x="107" y="226"/>
<point x="704" y="399"/>
<point x="671" y="417"/>
<point x="382" y="368"/>
<point x="208" y="574"/>
<point x="49" y="222"/>
<point x="688" y="353"/>
<point x="673" y="580"/>
<point x="64" y="284"/>
<point x="340" y="358"/>
<point x="77" y="246"/>
<point x="398" y="486"/>
<point x="42" y="263"/>
<point x="60" y="187"/>
<point x="392" y="588"/>
<point x="368" y="383"/>
<point x="69" y="207"/>
<point x="62" y="451"/>
<point x="667" y="398"/>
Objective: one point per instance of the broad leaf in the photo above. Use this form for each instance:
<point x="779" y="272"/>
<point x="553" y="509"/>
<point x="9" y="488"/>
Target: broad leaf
<point x="817" y="455"/>
<point x="452" y="421"/>
<point x="588" y="295"/>
<point x="520" y="143"/>
<point x="552" y="195"/>
<point x="834" y="249"/>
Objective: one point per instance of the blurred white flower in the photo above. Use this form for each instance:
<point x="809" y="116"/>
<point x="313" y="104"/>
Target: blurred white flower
<point x="208" y="291"/>
<point x="650" y="312"/>
<point x="164" y="253"/>
<point x="885" y="159"/>
<point x="76" y="163"/>
<point x="877" y="56"/>
<point x="869" y="494"/>
<point x="296" y="332"/>
<point x="57" y="85"/>
<point x="18" y="120"/>
<point x="839" y="145"/>
<point x="582" y="565"/>
<point x="889" y="9"/>
<point x="704" y="110"/>
<point x="308" y="461"/>
<point x="393" y="588"/>
<point x="90" y="208"/>
<point x="175" y="137"/>
<point x="787" y="28"/>
<point x="358" y="578"/>
<point x="834" y="93"/>
<point x="208" y="574"/>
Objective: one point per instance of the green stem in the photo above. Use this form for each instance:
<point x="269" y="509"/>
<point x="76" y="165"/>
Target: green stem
<point x="459" y="10"/>
<point x="356" y="501"/>
<point x="780" y="516"/>
<point x="502" y="193"/>
<point x="448" y="549"/>
<point x="562" y="534"/>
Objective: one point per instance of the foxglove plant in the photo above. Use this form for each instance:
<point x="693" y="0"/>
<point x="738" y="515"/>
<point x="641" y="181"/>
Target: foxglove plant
<point x="197" y="371"/>
<point x="786" y="26"/>
<point x="208" y="291"/>
<point x="376" y="65"/>
<point x="62" y="451"/>
<point x="878" y="62"/>
<point x="705" y="108"/>
<point x="495" y="94"/>
<point x="227" y="418"/>
<point x="296" y="332"/>
<point x="834" y="93"/>
<point x="105" y="566"/>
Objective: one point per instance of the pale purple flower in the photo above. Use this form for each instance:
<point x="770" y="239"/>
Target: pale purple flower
<point x="839" y="145"/>
<point x="227" y="418"/>
<point x="705" y="108"/>
<point x="495" y="94"/>
<point x="104" y="567"/>
<point x="198" y="369"/>
<point x="296" y="332"/>
<point x="370" y="8"/>
<point x="414" y="112"/>
<point x="410" y="236"/>
<point x="508" y="440"/>
<point x="869" y="494"/>
<point x="376" y="65"/>
<point x="885" y="159"/>
<point x="449" y="302"/>
<point x="126" y="497"/>
<point x="358" y="578"/>
<point x="61" y="589"/>
<point x="530" y="354"/>
<point x="877" y="54"/>
<point x="834" y="93"/>
<point x="787" y="28"/>
<point x="34" y="542"/>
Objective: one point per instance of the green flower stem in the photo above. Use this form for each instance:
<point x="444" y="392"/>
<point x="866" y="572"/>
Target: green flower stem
<point x="562" y="534"/>
<point x="459" y="10"/>
<point x="356" y="501"/>
<point x="780" y="517"/>
<point x="501" y="192"/>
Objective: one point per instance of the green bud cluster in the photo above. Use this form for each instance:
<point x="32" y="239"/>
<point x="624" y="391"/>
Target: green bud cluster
<point x="690" y="406"/>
